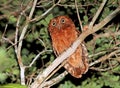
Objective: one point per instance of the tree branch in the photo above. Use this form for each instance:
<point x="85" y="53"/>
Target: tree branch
<point x="18" y="49"/>
<point x="80" y="22"/>
<point x="41" y="77"/>
<point x="104" y="57"/>
<point x="46" y="12"/>
<point x="55" y="80"/>
<point x="97" y="14"/>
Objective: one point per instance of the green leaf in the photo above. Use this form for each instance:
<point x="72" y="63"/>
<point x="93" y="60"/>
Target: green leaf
<point x="98" y="41"/>
<point x="86" y="19"/>
<point x="93" y="10"/>
<point x="48" y="18"/>
<point x="46" y="21"/>
<point x="5" y="60"/>
<point x="3" y="77"/>
<point x="43" y="22"/>
<point x="12" y="19"/>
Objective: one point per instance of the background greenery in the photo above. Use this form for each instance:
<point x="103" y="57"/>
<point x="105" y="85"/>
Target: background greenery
<point x="37" y="39"/>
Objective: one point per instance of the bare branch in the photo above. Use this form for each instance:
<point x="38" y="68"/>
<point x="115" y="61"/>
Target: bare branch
<point x="55" y="80"/>
<point x="104" y="57"/>
<point x="44" y="14"/>
<point x="97" y="14"/>
<point x="6" y="39"/>
<point x="16" y="33"/>
<point x="18" y="49"/>
<point x="38" y="55"/>
<point x="25" y="28"/>
<point x="103" y="69"/>
<point x="80" y="22"/>
<point x="108" y="34"/>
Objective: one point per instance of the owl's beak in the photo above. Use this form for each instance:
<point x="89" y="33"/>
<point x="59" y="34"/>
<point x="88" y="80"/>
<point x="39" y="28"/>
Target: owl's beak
<point x="59" y="27"/>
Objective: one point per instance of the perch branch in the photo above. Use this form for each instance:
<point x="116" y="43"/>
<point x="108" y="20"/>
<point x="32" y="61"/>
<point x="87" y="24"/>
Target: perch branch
<point x="55" y="80"/>
<point x="41" y="77"/>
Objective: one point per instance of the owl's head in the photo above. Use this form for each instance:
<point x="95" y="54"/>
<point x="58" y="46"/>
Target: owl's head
<point x="60" y="23"/>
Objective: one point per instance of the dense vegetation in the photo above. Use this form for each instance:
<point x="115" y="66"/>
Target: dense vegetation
<point x="24" y="36"/>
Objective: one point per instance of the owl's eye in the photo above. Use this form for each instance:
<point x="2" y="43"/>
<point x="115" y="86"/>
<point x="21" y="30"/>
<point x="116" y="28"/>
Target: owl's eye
<point x="53" y="23"/>
<point x="62" y="20"/>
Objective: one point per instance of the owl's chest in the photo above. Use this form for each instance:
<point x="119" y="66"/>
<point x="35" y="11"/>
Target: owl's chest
<point x="63" y="39"/>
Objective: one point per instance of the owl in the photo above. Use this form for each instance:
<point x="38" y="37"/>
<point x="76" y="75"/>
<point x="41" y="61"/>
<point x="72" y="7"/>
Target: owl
<point x="63" y="33"/>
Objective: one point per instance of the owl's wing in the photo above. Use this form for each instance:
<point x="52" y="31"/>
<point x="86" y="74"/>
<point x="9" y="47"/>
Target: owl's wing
<point x="77" y="63"/>
<point x="85" y="57"/>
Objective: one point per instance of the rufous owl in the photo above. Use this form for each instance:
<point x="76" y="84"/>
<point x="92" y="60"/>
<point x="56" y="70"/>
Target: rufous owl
<point x="63" y="33"/>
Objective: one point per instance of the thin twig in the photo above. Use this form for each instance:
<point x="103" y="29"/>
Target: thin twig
<point x="96" y="54"/>
<point x="103" y="58"/>
<point x="46" y="12"/>
<point x="97" y="14"/>
<point x="6" y="39"/>
<point x="42" y="43"/>
<point x="38" y="55"/>
<point x="109" y="34"/>
<point x="103" y="69"/>
<point x="80" y="22"/>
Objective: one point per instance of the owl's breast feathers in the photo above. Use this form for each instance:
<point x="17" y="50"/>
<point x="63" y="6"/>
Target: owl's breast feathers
<point x="62" y="39"/>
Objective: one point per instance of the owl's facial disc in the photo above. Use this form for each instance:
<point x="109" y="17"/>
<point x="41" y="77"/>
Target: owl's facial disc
<point x="61" y="23"/>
